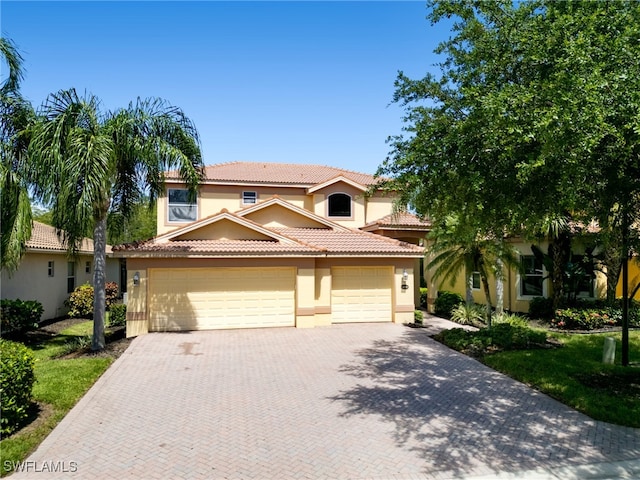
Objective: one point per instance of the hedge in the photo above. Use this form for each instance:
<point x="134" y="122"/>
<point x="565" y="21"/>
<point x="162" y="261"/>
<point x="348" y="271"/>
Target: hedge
<point x="16" y="383"/>
<point x="20" y="315"/>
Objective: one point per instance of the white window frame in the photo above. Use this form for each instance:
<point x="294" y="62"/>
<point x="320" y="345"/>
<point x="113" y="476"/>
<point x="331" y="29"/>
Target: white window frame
<point x="71" y="276"/>
<point x="475" y="275"/>
<point x="87" y="267"/>
<point x="519" y="279"/>
<point x="194" y="206"/>
<point x="249" y="197"/>
<point x="344" y="217"/>
<point x="51" y="268"/>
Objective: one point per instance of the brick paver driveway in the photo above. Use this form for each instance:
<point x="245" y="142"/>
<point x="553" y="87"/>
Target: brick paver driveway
<point x="375" y="401"/>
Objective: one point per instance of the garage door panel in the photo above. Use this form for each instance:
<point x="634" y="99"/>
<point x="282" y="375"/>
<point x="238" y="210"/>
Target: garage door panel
<point x="361" y="294"/>
<point x="213" y="298"/>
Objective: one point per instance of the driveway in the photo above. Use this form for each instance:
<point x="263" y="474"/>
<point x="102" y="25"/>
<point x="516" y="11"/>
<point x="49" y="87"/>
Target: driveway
<point x="366" y="401"/>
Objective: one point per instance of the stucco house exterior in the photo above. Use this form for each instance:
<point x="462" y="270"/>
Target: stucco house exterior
<point x="47" y="275"/>
<point x="520" y="287"/>
<point x="269" y="244"/>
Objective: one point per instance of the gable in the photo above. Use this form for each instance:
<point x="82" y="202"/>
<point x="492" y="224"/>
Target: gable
<point x="224" y="229"/>
<point x="278" y="216"/>
<point x="338" y="183"/>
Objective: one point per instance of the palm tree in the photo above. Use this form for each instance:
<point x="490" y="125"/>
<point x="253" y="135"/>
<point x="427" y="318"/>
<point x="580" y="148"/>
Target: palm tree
<point x="17" y="114"/>
<point x="558" y="229"/>
<point x="466" y="249"/>
<point x="89" y="165"/>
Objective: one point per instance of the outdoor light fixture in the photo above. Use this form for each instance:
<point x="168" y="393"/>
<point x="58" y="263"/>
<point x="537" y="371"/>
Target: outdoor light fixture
<point x="136" y="279"/>
<point x="405" y="277"/>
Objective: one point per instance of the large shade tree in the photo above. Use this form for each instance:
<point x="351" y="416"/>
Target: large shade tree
<point x="89" y="164"/>
<point x="535" y="114"/>
<point x="16" y="114"/>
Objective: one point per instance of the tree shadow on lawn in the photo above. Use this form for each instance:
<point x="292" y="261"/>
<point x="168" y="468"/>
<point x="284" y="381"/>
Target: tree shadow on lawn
<point x="460" y="416"/>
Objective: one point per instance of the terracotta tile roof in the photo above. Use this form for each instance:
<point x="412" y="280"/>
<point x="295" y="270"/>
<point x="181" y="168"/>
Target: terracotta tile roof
<point x="352" y="242"/>
<point x="221" y="247"/>
<point x="44" y="237"/>
<point x="399" y="220"/>
<point x="330" y="239"/>
<point x="308" y="241"/>
<point x="278" y="173"/>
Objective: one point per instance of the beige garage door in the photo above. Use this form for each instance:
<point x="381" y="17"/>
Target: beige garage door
<point x="361" y="294"/>
<point x="215" y="298"/>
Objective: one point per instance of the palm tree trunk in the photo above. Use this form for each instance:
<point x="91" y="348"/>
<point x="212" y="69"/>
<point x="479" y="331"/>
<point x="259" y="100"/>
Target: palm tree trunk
<point x="99" y="282"/>
<point x="469" y="289"/>
<point x="499" y="287"/>
<point x="487" y="295"/>
<point x="560" y="255"/>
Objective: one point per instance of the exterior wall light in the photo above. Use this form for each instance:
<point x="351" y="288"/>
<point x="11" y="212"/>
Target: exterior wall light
<point x="136" y="279"/>
<point x="405" y="277"/>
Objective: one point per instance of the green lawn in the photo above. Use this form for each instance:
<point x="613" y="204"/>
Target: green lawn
<point x="575" y="375"/>
<point x="60" y="383"/>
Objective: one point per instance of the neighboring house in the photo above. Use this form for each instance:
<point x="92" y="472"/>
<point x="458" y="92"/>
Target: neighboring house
<point x="47" y="275"/>
<point x="268" y="244"/>
<point x="533" y="281"/>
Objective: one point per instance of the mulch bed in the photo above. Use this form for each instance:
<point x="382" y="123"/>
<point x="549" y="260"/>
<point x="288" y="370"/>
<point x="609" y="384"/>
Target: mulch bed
<point x="116" y="342"/>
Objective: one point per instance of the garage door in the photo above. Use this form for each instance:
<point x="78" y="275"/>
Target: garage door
<point x="361" y="294"/>
<point x="215" y="298"/>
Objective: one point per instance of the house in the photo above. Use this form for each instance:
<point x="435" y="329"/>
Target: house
<point x="269" y="244"/>
<point x="47" y="275"/>
<point x="520" y="287"/>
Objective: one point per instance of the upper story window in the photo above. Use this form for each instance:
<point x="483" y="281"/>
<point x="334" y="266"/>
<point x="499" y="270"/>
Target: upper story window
<point x="249" y="198"/>
<point x="339" y="205"/>
<point x="531" y="281"/>
<point x="50" y="269"/>
<point x="180" y="208"/>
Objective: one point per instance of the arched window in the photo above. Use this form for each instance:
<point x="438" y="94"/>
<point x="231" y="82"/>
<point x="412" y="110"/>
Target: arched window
<point x="339" y="205"/>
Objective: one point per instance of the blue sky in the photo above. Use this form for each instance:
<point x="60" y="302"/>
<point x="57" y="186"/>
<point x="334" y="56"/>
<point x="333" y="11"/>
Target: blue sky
<point x="294" y="82"/>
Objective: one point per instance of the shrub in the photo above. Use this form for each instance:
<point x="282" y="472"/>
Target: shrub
<point x="111" y="291"/>
<point x="75" y="344"/>
<point x="510" y="318"/>
<point x="541" y="308"/>
<point x="514" y="337"/>
<point x="423" y="297"/>
<point x="118" y="315"/>
<point x="80" y="302"/>
<point x="16" y="383"/>
<point x="446" y="302"/>
<point x="468" y="314"/>
<point x="584" y="319"/>
<point x="20" y="316"/>
<point x="502" y="336"/>
<point x="634" y="316"/>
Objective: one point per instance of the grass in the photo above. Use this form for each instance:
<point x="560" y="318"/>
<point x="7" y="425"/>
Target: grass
<point x="575" y="375"/>
<point x="60" y="383"/>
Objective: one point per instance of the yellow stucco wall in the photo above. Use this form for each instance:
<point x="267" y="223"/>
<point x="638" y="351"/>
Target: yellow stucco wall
<point x="513" y="301"/>
<point x="378" y="206"/>
<point x="213" y="198"/>
<point x="634" y="278"/>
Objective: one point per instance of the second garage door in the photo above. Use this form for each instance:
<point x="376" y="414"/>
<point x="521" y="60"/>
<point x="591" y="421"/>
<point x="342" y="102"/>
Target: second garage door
<point x="217" y="298"/>
<point x="361" y="294"/>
